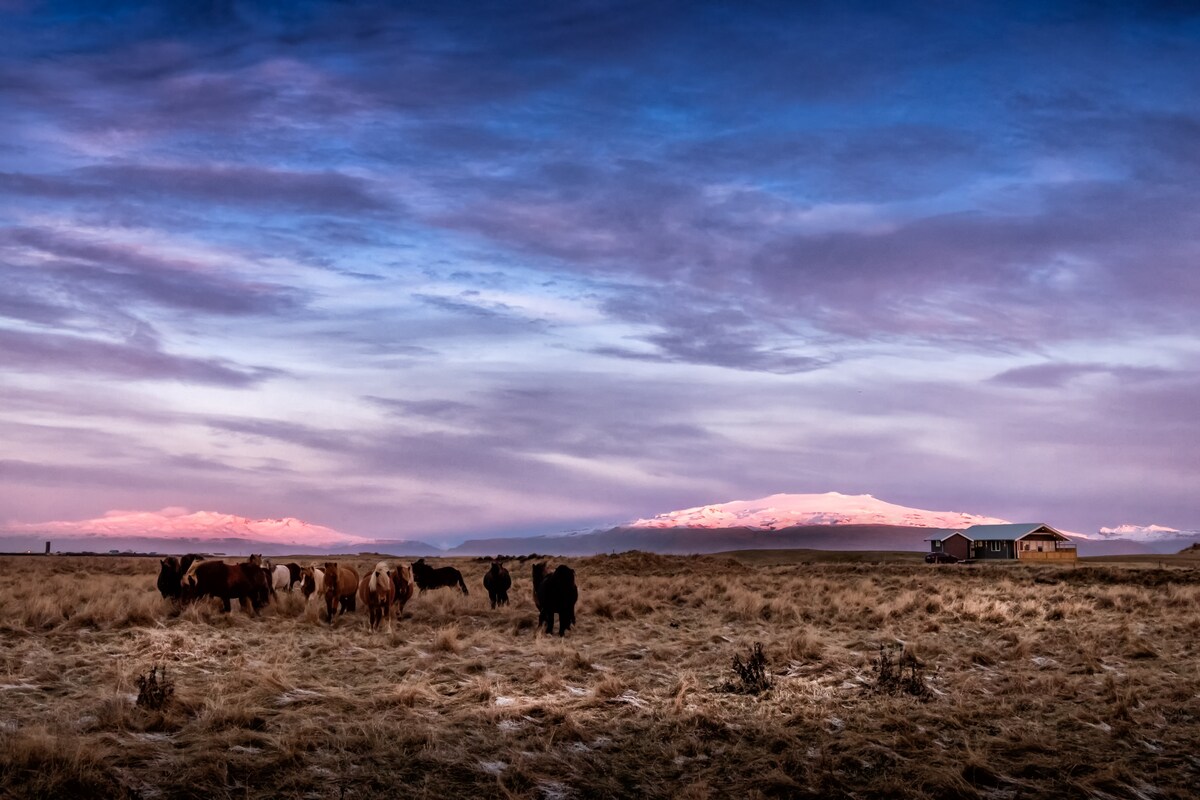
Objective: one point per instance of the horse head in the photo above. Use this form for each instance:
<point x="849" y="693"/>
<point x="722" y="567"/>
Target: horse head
<point x="331" y="578"/>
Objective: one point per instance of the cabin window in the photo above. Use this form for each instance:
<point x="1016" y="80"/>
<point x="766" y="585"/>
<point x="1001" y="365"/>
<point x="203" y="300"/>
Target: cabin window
<point x="994" y="546"/>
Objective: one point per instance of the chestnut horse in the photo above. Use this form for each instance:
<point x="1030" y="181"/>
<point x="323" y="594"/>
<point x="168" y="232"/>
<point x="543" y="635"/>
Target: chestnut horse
<point x="377" y="593"/>
<point x="402" y="582"/>
<point x="341" y="586"/>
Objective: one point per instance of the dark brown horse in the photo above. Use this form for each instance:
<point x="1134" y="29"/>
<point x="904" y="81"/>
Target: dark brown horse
<point x="246" y="582"/>
<point x="497" y="582"/>
<point x="293" y="574"/>
<point x="555" y="594"/>
<point x="171" y="572"/>
<point x="341" y="586"/>
<point x="539" y="575"/>
<point x="402" y="582"/>
<point x="428" y="577"/>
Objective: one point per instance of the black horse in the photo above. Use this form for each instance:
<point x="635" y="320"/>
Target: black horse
<point x="497" y="582"/>
<point x="428" y="577"/>
<point x="555" y="593"/>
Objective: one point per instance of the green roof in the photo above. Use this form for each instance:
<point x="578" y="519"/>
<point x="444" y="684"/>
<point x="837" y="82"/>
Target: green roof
<point x="992" y="533"/>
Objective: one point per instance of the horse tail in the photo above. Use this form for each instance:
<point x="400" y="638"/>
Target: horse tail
<point x="462" y="584"/>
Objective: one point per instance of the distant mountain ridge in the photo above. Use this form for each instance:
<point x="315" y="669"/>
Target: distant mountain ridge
<point x="180" y="523"/>
<point x="829" y="521"/>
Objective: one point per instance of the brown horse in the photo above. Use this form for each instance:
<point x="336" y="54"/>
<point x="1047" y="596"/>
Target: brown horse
<point x="377" y="593"/>
<point x="402" y="582"/>
<point x="341" y="586"/>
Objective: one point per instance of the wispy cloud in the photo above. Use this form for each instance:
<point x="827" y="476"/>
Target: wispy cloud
<point x="561" y="262"/>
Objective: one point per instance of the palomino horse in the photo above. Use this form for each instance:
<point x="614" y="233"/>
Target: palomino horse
<point x="377" y="593"/>
<point x="402" y="582"/>
<point x="341" y="586"/>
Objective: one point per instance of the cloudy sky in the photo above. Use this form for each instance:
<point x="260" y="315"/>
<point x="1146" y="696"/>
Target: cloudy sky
<point x="482" y="268"/>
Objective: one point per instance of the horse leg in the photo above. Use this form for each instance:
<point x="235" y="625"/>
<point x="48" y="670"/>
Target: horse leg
<point x="225" y="606"/>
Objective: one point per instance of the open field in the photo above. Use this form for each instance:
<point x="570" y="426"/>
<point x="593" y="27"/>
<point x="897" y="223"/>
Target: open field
<point x="1044" y="682"/>
<point x="807" y="556"/>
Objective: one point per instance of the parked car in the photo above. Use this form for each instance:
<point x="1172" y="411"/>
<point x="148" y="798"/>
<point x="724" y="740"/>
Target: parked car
<point x="940" y="558"/>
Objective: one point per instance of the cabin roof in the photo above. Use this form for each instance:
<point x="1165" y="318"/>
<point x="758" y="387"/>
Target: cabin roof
<point x="1002" y="533"/>
<point x="1013" y="531"/>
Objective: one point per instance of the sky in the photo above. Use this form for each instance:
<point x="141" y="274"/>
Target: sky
<point x="442" y="270"/>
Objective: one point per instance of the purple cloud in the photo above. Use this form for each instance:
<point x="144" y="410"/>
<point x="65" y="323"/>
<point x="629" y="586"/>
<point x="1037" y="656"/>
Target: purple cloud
<point x="48" y="352"/>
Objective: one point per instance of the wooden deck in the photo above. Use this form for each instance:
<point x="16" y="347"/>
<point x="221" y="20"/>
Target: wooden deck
<point x="1047" y="555"/>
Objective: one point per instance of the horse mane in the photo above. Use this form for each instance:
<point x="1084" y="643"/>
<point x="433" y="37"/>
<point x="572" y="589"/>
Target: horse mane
<point x="190" y="573"/>
<point x="380" y="568"/>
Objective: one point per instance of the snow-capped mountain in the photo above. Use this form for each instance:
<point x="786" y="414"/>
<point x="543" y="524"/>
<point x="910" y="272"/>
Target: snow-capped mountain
<point x="1148" y="533"/>
<point x="199" y="526"/>
<point x="832" y="508"/>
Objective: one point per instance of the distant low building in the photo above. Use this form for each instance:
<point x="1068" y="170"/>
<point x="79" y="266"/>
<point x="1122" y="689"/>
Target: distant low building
<point x="1022" y="541"/>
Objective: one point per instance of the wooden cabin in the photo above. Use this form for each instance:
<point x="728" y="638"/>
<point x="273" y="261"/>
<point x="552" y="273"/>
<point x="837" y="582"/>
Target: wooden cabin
<point x="1023" y="541"/>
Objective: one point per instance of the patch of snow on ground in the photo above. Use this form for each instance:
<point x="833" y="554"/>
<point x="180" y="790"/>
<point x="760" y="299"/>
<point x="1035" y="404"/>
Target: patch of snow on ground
<point x="296" y="696"/>
<point x="553" y="790"/>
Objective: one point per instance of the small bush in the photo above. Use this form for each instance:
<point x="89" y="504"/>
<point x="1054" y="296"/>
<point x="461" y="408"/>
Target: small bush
<point x="750" y="676"/>
<point x="904" y="675"/>
<point x="154" y="692"/>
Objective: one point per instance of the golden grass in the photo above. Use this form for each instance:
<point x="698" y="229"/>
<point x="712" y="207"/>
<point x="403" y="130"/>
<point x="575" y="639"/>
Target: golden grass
<point x="1047" y="682"/>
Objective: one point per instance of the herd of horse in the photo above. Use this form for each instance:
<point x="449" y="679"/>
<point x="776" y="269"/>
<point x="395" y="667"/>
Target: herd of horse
<point x="383" y="591"/>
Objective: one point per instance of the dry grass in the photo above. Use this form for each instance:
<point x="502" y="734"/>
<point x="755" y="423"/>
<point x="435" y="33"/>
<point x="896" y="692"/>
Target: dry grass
<point x="1045" y="682"/>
